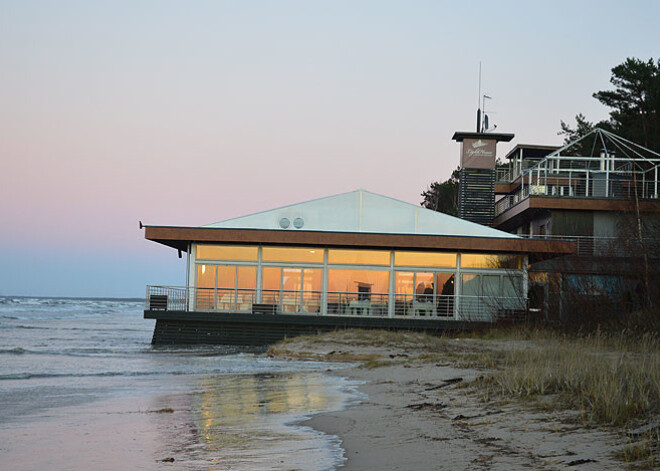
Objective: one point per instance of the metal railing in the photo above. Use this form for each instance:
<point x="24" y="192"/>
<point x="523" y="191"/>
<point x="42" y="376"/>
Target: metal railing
<point x="491" y="308"/>
<point x="588" y="246"/>
<point x="290" y="302"/>
<point x="166" y="298"/>
<point x="358" y="304"/>
<point x="582" y="177"/>
<point x="419" y="306"/>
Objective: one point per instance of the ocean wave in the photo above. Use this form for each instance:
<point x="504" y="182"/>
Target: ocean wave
<point x="93" y="352"/>
<point x="24" y="376"/>
<point x="66" y="307"/>
<point x="29" y="327"/>
<point x="14" y="351"/>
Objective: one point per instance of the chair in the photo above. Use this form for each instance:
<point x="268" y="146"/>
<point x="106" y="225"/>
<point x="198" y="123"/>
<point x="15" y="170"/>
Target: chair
<point x="158" y="302"/>
<point x="244" y="303"/>
<point x="360" y="308"/>
<point x="424" y="309"/>
<point x="226" y="303"/>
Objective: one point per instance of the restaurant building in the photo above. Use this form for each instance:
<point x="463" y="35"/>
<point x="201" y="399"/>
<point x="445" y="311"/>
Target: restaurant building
<point x="356" y="259"/>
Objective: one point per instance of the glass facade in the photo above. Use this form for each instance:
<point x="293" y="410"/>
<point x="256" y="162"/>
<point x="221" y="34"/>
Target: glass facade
<point x="353" y="282"/>
<point x="424" y="259"/>
<point x="290" y="254"/>
<point x="227" y="252"/>
<point x="358" y="257"/>
<point x="502" y="261"/>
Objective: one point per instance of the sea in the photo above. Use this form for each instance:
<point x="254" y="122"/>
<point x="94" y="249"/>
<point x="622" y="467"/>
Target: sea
<point x="81" y="387"/>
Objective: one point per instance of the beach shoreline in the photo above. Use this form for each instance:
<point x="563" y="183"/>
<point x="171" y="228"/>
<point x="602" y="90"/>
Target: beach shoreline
<point x="420" y="415"/>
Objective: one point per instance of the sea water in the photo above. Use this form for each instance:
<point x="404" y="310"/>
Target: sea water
<point x="79" y="377"/>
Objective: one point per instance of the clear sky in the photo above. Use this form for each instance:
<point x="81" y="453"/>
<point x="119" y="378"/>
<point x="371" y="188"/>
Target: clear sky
<point x="187" y="113"/>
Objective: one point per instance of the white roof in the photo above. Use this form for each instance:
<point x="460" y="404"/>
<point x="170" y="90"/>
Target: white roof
<point x="360" y="211"/>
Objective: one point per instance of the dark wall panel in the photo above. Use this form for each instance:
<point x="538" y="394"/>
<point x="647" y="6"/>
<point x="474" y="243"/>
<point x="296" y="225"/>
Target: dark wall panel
<point x="240" y="329"/>
<point x="574" y="223"/>
<point x="476" y="196"/>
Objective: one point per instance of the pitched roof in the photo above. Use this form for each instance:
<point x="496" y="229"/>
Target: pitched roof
<point x="360" y="211"/>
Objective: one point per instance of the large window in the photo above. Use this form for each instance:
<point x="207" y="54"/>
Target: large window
<point x="487" y="296"/>
<point x="359" y="257"/>
<point x="358" y="281"/>
<point x="292" y="255"/>
<point x="227" y="252"/>
<point x="293" y="289"/>
<point x="358" y="292"/>
<point x="424" y="293"/>
<point x="425" y="259"/>
<point x="235" y="288"/>
<point x="494" y="261"/>
<point x="205" y="286"/>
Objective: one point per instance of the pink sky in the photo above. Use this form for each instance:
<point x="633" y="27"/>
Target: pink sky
<point x="186" y="114"/>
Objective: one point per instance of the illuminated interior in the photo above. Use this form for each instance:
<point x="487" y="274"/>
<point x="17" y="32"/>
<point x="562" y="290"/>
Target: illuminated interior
<point x="358" y="282"/>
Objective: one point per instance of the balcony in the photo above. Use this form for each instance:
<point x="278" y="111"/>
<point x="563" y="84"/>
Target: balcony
<point x="615" y="169"/>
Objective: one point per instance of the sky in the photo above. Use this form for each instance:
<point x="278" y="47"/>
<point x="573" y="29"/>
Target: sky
<point x="189" y="113"/>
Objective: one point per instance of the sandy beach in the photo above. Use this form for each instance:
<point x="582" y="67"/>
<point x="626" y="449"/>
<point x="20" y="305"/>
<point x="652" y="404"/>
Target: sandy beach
<point x="418" y="414"/>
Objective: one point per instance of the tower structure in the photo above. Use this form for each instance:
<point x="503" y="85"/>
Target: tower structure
<point x="476" y="188"/>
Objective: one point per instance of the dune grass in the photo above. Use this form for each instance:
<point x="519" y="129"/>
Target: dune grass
<point x="612" y="380"/>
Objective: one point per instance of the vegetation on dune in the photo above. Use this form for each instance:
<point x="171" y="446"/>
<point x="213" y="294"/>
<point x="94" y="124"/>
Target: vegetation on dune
<point x="611" y="381"/>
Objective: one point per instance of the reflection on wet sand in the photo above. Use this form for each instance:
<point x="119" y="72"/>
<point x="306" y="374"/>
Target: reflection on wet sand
<point x="246" y="421"/>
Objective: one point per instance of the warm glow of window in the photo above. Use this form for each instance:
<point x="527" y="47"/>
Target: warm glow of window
<point x="226" y="276"/>
<point x="353" y="281"/>
<point x="205" y="276"/>
<point x="313" y="279"/>
<point x="292" y="254"/>
<point x="359" y="257"/>
<point x="227" y="252"/>
<point x="205" y="285"/>
<point x="291" y="279"/>
<point x="405" y="282"/>
<point x="271" y="278"/>
<point x="471" y="260"/>
<point x="247" y="278"/>
<point x="425" y="259"/>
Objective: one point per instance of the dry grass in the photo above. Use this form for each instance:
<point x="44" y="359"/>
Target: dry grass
<point x="611" y="380"/>
<point x="644" y="454"/>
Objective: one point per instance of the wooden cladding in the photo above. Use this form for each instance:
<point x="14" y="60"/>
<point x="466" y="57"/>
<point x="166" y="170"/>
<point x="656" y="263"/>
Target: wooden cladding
<point x="179" y="237"/>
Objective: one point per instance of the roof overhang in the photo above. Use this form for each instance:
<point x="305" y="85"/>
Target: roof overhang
<point x="180" y="237"/>
<point x="518" y="147"/>
<point x="459" y="136"/>
<point x="524" y="210"/>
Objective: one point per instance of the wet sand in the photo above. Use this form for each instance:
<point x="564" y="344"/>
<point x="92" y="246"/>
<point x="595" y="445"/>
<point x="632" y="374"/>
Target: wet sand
<point x="238" y="421"/>
<point x="111" y="434"/>
<point x="421" y="416"/>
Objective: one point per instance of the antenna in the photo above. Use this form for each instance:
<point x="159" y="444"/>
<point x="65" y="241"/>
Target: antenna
<point x="478" y="102"/>
<point x="483" y="107"/>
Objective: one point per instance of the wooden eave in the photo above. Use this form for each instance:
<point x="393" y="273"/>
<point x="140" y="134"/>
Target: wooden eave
<point x="180" y="237"/>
